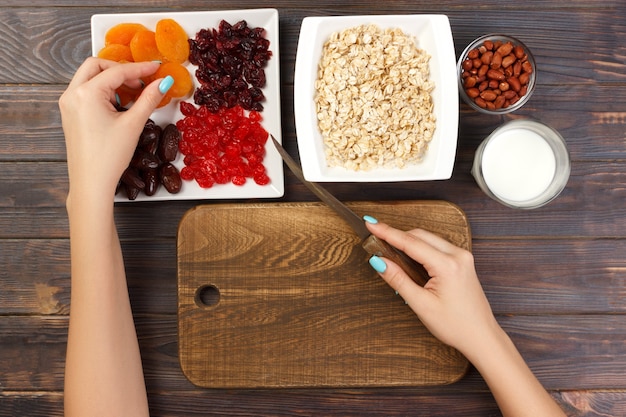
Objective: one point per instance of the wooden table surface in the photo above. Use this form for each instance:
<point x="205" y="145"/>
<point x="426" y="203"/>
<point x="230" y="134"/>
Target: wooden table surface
<point x="555" y="276"/>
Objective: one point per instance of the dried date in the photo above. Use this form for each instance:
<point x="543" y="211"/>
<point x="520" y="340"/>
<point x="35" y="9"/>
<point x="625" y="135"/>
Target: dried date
<point x="151" y="164"/>
<point x="149" y="138"/>
<point x="132" y="178"/>
<point x="131" y="192"/>
<point x="151" y="179"/>
<point x="168" y="145"/>
<point x="144" y="160"/>
<point x="170" y="178"/>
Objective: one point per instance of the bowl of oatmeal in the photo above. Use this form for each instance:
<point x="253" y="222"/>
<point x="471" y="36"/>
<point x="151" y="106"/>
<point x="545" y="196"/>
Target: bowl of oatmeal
<point x="376" y="98"/>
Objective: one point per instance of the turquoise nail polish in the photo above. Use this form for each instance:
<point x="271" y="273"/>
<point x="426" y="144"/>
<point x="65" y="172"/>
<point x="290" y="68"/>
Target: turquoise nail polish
<point x="378" y="264"/>
<point x="166" y="84"/>
<point x="370" y="219"/>
<point x="118" y="100"/>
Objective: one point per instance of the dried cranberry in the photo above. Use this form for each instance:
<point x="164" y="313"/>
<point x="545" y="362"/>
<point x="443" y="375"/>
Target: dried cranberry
<point x="241" y="25"/>
<point x="230" y="62"/>
<point x="187" y="109"/>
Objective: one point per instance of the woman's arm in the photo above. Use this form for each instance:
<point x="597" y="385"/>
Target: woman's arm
<point x="516" y="390"/>
<point x="453" y="306"/>
<point x="103" y="373"/>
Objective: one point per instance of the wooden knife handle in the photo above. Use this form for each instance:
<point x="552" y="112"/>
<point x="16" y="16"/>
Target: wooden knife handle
<point x="378" y="247"/>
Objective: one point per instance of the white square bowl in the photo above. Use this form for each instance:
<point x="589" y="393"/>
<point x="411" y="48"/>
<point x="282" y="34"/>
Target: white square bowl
<point x="433" y="35"/>
<point x="192" y="22"/>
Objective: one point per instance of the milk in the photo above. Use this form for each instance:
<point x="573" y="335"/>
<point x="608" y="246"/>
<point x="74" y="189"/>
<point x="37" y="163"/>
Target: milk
<point x="518" y="165"/>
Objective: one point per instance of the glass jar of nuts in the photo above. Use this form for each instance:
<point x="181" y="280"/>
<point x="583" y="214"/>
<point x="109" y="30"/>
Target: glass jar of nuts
<point x="496" y="74"/>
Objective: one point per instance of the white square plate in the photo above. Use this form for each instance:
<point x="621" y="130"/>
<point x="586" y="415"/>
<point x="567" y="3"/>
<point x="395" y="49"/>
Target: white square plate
<point x="192" y="22"/>
<point x="433" y="35"/>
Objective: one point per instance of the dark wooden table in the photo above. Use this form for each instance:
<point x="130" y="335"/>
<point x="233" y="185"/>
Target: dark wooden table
<point x="556" y="276"/>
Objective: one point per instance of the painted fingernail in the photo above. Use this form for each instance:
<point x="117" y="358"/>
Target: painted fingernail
<point x="370" y="219"/>
<point x="166" y="84"/>
<point x="118" y="100"/>
<point x="378" y="264"/>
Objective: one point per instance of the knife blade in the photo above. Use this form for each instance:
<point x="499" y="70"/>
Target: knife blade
<point x="369" y="242"/>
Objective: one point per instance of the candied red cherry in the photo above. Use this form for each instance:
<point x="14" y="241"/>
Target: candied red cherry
<point x="233" y="149"/>
<point x="261" y="179"/>
<point x="221" y="178"/>
<point x="259" y="169"/>
<point x="255" y="116"/>
<point x="253" y="159"/>
<point x="186" y="173"/>
<point x="205" y="182"/>
<point x="224" y="146"/>
<point x="239" y="180"/>
<point x="208" y="165"/>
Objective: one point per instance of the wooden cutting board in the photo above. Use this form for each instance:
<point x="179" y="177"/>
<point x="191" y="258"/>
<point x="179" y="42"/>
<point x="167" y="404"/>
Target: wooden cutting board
<point x="281" y="295"/>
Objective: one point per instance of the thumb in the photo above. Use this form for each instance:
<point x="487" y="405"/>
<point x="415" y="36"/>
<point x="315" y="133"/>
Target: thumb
<point x="150" y="98"/>
<point x="412" y="293"/>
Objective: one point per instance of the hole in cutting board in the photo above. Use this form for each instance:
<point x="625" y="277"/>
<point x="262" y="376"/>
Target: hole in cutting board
<point x="207" y="296"/>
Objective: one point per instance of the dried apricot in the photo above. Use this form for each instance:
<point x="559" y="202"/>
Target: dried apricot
<point x="115" y="52"/>
<point x="127" y="95"/>
<point x="183" y="84"/>
<point x="143" y="47"/>
<point x="172" y="40"/>
<point x="122" y="33"/>
<point x="165" y="101"/>
<point x="134" y="42"/>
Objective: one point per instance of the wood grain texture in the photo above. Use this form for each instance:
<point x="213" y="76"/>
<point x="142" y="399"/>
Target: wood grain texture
<point x="51" y="42"/>
<point x="592" y="204"/>
<point x="588" y="340"/>
<point x="295" y="303"/>
<point x="555" y="276"/>
<point x="396" y="403"/>
<point x="565" y="277"/>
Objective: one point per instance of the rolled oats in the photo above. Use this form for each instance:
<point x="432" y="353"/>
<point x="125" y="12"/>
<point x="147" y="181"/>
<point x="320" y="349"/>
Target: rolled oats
<point x="373" y="99"/>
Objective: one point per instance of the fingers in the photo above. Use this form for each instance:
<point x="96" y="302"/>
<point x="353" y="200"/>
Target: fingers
<point x="392" y="273"/>
<point x="100" y="77"/>
<point x="118" y="74"/>
<point x="435" y="241"/>
<point x="422" y="246"/>
<point x="106" y="76"/>
<point x="89" y="69"/>
<point x="149" y="99"/>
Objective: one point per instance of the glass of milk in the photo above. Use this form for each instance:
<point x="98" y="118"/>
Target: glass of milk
<point x="522" y="164"/>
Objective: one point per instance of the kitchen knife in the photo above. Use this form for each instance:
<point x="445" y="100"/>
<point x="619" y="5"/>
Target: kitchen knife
<point x="370" y="243"/>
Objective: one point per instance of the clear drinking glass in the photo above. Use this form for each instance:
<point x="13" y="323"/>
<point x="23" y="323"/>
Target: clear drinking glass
<point x="522" y="164"/>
